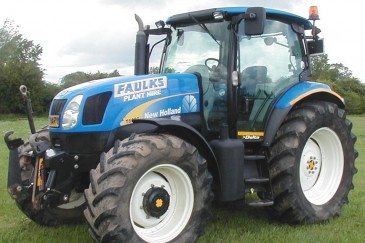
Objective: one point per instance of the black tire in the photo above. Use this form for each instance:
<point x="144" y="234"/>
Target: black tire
<point x="68" y="213"/>
<point x="312" y="163"/>
<point x="121" y="199"/>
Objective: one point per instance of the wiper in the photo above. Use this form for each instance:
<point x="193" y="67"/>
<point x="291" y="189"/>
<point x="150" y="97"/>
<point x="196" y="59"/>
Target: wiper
<point x="204" y="27"/>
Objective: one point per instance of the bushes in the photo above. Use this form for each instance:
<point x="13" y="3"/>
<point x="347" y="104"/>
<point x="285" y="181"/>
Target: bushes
<point x="340" y="79"/>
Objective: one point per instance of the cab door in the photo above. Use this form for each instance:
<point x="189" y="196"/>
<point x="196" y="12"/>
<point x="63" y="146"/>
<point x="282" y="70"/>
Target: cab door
<point x="268" y="64"/>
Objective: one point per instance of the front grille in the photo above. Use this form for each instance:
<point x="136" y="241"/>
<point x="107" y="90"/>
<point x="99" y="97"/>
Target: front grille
<point x="95" y="108"/>
<point x="57" y="106"/>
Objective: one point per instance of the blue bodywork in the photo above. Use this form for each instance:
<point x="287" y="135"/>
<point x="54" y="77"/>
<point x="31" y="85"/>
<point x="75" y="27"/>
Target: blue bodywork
<point x="147" y="96"/>
<point x="301" y="90"/>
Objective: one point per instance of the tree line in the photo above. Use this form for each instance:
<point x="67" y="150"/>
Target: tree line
<point x="19" y="64"/>
<point x="341" y="80"/>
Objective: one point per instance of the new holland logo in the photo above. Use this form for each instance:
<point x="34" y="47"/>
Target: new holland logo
<point x="189" y="104"/>
<point x="140" y="86"/>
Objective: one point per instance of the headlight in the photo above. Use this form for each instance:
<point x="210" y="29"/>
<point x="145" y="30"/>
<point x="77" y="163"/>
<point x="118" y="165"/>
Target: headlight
<point x="69" y="119"/>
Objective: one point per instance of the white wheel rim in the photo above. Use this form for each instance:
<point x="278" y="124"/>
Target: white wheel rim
<point x="321" y="166"/>
<point x="169" y="225"/>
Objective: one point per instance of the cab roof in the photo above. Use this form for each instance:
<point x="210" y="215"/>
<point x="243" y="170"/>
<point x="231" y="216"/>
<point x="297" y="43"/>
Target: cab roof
<point x="207" y="14"/>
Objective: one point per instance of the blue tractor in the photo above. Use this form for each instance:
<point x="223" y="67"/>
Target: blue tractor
<point x="231" y="113"/>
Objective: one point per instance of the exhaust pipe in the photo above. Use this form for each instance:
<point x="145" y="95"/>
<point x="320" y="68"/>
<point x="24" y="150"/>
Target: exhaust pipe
<point x="140" y="49"/>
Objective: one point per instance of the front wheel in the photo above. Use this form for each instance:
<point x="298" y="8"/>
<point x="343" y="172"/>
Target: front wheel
<point x="151" y="188"/>
<point x="312" y="163"/>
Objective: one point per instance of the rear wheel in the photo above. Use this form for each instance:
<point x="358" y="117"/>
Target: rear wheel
<point x="151" y="188"/>
<point x="312" y="163"/>
<point x="67" y="213"/>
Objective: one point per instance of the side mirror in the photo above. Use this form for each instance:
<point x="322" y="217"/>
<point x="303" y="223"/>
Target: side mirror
<point x="315" y="47"/>
<point x="255" y="23"/>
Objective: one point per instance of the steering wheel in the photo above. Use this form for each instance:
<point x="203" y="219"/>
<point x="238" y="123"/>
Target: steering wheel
<point x="211" y="68"/>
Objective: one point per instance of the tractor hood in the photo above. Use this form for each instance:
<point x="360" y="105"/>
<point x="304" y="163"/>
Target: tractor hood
<point x="103" y="105"/>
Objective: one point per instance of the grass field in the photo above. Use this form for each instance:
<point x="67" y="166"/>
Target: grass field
<point x="237" y="224"/>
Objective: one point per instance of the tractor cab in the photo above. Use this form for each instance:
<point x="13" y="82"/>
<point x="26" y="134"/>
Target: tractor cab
<point x="245" y="57"/>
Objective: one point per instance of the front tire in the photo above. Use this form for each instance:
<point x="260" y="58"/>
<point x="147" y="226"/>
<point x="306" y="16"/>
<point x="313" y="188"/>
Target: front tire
<point x="149" y="188"/>
<point x="312" y="163"/>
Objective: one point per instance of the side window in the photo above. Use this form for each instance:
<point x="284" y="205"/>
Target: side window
<point x="274" y="55"/>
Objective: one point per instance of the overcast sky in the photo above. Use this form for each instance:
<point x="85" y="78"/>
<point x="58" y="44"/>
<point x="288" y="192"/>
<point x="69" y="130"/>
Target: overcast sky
<point x="99" y="35"/>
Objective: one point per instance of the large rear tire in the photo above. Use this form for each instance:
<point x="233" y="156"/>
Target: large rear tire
<point x="67" y="213"/>
<point x="312" y="163"/>
<point x="149" y="188"/>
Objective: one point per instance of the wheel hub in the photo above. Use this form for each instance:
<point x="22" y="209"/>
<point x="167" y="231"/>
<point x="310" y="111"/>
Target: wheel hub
<point x="312" y="166"/>
<point x="156" y="201"/>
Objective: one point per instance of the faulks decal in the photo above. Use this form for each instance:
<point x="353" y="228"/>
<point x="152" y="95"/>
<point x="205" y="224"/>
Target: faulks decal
<point x="140" y="89"/>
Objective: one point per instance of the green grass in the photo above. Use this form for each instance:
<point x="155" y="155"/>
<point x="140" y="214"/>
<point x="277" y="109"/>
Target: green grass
<point x="236" y="224"/>
<point x="14" y="226"/>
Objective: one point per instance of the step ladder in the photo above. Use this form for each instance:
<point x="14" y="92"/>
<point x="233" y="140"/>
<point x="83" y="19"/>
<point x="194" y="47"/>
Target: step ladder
<point x="260" y="184"/>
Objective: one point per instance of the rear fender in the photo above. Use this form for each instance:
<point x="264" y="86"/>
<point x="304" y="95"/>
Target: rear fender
<point x="299" y="93"/>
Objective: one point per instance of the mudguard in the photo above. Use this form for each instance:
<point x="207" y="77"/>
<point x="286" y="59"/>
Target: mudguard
<point x="300" y="92"/>
<point x="187" y="133"/>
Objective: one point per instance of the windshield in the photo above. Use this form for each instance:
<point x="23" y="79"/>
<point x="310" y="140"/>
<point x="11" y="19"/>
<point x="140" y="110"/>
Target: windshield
<point x="277" y="49"/>
<point x="194" y="45"/>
